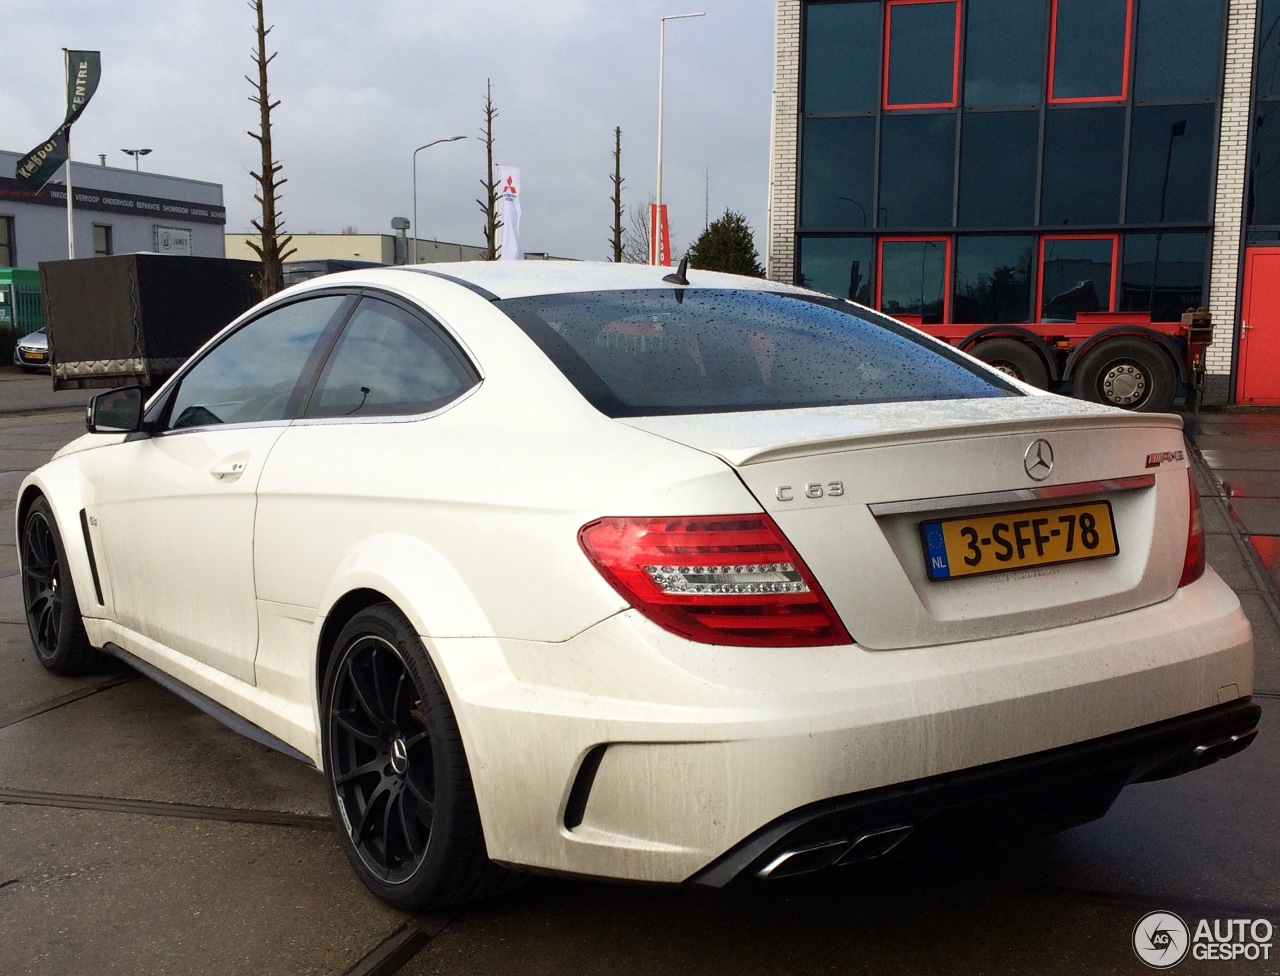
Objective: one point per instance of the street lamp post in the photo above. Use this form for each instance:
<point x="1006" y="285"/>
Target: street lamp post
<point x="135" y="153"/>
<point x="655" y="243"/>
<point x="415" y="188"/>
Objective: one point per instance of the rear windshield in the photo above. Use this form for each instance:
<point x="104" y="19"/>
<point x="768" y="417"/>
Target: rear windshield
<point x="682" y="351"/>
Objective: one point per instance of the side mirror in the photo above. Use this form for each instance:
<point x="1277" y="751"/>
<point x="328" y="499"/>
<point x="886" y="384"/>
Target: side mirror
<point x="115" y="411"/>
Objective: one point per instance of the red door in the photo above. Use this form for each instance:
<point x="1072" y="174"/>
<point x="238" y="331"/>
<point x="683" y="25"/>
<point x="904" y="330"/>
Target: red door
<point x="1259" y="374"/>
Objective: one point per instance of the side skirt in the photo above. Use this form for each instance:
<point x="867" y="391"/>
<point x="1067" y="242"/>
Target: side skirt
<point x="207" y="705"/>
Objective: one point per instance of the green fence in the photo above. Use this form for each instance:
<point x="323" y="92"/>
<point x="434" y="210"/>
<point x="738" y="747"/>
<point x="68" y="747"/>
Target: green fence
<point x="28" y="308"/>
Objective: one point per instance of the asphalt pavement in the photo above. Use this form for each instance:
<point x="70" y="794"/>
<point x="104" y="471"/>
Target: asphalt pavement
<point x="138" y="836"/>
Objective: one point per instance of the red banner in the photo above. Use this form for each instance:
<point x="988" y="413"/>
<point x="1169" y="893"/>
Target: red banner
<point x="659" y="236"/>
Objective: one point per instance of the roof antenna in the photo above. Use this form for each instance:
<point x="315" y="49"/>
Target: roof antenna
<point x="678" y="277"/>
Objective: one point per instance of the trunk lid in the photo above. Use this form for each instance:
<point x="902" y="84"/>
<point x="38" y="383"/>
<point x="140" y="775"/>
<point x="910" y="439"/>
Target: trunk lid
<point x="868" y="494"/>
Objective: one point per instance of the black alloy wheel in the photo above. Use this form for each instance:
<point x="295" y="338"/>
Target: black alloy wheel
<point x="383" y="769"/>
<point x="398" y="781"/>
<point x="49" y="598"/>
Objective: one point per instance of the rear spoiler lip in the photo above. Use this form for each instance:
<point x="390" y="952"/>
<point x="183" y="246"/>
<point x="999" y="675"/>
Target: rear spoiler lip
<point x="683" y="430"/>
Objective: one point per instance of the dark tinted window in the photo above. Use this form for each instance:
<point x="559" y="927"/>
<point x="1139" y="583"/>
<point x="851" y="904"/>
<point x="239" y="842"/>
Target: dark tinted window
<point x="922" y="50"/>
<point x="1264" y="183"/>
<point x="1269" y="50"/>
<point x="917" y="169"/>
<point x="1077" y="278"/>
<point x="837" y="172"/>
<point x="1175" y="262"/>
<point x="1181" y="138"/>
<point x="840" y="266"/>
<point x="998" y="169"/>
<point x="841" y="57"/>
<point x="1083" y="153"/>
<point x="388" y="362"/>
<point x="638" y="353"/>
<point x="993" y="279"/>
<point x="1179" y="54"/>
<point x="1089" y="52"/>
<point x="253" y="375"/>
<point x="1004" y="52"/>
<point x="6" y="242"/>
<point x="913" y="278"/>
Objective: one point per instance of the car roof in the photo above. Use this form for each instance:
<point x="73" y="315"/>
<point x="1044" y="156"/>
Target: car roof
<point x="520" y="279"/>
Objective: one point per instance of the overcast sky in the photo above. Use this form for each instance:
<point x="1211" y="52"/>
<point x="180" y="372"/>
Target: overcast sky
<point x="361" y="85"/>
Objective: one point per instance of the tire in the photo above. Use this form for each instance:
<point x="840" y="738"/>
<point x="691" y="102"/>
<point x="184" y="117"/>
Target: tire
<point x="397" y="776"/>
<point x="1015" y="357"/>
<point x="49" y="598"/>
<point x="1135" y="374"/>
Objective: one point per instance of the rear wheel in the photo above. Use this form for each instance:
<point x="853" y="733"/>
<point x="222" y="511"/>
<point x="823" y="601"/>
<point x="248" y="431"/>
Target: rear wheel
<point x="49" y="598"/>
<point x="399" y="786"/>
<point x="1131" y="373"/>
<point x="1016" y="358"/>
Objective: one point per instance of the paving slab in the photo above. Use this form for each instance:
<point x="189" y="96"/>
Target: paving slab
<point x="138" y="741"/>
<point x="1222" y="552"/>
<point x="1244" y="460"/>
<point x="125" y="895"/>
<point x="1249" y="484"/>
<point x="1257" y="516"/>
<point x="26" y="684"/>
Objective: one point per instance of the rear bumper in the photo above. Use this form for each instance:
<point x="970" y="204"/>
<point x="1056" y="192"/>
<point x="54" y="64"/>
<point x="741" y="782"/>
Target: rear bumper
<point x="630" y="753"/>
<point x="1049" y="790"/>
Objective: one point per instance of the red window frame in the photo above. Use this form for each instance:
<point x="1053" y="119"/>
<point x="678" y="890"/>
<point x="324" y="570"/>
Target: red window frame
<point x="955" y="57"/>
<point x="1124" y="74"/>
<point x="947" y="244"/>
<point x="1115" y="270"/>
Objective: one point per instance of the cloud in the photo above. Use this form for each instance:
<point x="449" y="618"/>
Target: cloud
<point x="361" y="87"/>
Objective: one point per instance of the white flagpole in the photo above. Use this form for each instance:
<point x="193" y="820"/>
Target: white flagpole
<point x="71" y="226"/>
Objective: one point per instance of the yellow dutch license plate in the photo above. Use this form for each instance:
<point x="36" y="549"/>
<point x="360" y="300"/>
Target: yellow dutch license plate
<point x="978" y="544"/>
<point x="34" y="355"/>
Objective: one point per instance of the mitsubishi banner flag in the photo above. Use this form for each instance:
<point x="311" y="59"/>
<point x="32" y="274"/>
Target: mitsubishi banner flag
<point x="509" y="213"/>
<point x="83" y="71"/>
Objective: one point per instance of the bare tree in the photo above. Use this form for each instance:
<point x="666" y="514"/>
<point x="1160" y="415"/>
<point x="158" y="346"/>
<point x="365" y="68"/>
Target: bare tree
<point x="272" y="251"/>
<point x="351" y="229"/>
<point x="616" y="241"/>
<point x="489" y="206"/>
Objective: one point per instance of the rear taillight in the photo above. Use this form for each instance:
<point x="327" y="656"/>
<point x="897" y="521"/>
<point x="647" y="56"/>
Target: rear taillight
<point x="723" y="579"/>
<point x="1193" y="564"/>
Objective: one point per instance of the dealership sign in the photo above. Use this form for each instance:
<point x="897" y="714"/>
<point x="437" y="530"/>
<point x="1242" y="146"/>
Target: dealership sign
<point x="112" y="201"/>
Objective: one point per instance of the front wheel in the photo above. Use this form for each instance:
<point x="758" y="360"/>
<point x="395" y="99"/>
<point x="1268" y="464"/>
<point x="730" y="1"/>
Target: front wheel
<point x="49" y="598"/>
<point x="1131" y="373"/>
<point x="398" y="782"/>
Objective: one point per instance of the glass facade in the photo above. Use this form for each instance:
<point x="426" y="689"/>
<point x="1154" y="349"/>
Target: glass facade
<point x="1263" y="203"/>
<point x="1008" y="161"/>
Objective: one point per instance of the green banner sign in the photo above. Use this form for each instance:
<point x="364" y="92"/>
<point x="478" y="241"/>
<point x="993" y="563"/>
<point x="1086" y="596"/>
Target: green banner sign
<point x="84" y="71"/>
<point x="37" y="167"/>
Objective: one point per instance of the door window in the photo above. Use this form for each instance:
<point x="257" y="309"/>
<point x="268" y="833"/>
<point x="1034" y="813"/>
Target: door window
<point x="254" y="374"/>
<point x="389" y="363"/>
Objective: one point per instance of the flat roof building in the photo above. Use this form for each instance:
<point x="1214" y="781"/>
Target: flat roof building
<point x="116" y="211"/>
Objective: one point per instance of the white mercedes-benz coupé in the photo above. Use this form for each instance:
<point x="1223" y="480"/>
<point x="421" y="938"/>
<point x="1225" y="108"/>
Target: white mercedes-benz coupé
<point x="581" y="569"/>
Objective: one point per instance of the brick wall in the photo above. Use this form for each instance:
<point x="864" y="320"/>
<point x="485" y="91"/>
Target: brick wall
<point x="786" y="150"/>
<point x="1228" y="207"/>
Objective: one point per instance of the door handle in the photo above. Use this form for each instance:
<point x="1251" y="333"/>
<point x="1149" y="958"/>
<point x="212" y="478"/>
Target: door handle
<point x="228" y="469"/>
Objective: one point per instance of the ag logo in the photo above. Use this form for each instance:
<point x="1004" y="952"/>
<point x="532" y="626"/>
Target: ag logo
<point x="1161" y="940"/>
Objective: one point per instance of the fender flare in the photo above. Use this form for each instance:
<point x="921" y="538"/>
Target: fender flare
<point x="1038" y="343"/>
<point x="1167" y="343"/>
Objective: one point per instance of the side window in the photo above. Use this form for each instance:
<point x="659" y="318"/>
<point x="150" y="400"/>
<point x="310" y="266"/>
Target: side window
<point x="251" y="376"/>
<point x="388" y="363"/>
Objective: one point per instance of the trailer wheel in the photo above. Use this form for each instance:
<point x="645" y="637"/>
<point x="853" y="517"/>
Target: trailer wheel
<point x="1016" y="358"/>
<point x="1131" y="373"/>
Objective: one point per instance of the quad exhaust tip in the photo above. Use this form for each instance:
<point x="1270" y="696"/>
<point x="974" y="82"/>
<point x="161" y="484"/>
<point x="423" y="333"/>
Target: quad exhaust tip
<point x="834" y="853"/>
